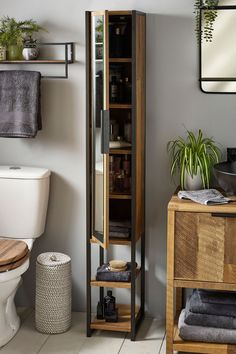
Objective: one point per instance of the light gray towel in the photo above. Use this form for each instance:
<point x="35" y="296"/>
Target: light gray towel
<point x="197" y="306"/>
<point x="199" y="319"/>
<point x="20" y="114"/>
<point x="218" y="297"/>
<point x="205" y="334"/>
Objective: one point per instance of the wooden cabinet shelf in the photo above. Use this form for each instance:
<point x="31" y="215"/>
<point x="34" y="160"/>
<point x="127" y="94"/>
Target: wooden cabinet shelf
<point x="38" y="61"/>
<point x="124" y="320"/>
<point x="114" y="284"/>
<point x="120" y="106"/>
<point x="120" y="151"/>
<point x="115" y="241"/>
<point x="120" y="60"/>
<point x="117" y="195"/>
<point x="68" y="59"/>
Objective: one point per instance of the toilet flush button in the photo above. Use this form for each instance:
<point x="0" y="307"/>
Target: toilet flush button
<point x="14" y="168"/>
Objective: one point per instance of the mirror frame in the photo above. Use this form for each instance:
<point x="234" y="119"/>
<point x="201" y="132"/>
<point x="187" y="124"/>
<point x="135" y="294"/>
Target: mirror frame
<point x="207" y="79"/>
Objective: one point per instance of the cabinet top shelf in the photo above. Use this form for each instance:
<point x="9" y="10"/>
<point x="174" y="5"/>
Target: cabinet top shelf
<point x="177" y="204"/>
<point x="38" y="61"/>
<point x="120" y="60"/>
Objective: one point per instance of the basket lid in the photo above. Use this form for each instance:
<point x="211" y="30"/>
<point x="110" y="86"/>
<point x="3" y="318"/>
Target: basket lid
<point x="53" y="259"/>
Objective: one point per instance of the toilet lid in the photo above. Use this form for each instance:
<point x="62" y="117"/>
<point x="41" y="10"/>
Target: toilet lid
<point x="12" y="253"/>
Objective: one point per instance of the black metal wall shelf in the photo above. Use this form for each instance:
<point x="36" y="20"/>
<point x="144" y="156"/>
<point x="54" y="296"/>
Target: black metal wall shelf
<point x="69" y="59"/>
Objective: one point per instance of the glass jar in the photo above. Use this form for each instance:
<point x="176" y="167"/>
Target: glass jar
<point x="3" y="53"/>
<point x="14" y="52"/>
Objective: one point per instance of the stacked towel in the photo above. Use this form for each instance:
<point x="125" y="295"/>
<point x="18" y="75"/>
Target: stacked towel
<point x="104" y="273"/>
<point x="209" y="316"/>
<point x="121" y="229"/>
<point x="20" y="115"/>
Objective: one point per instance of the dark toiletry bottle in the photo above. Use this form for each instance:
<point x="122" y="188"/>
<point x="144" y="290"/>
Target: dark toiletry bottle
<point x="113" y="89"/>
<point x="118" y="43"/>
<point x="111" y="173"/>
<point x="128" y="90"/>
<point x="127" y="129"/>
<point x="100" y="315"/>
<point x="121" y="91"/>
<point x="109" y="304"/>
<point x="126" y="165"/>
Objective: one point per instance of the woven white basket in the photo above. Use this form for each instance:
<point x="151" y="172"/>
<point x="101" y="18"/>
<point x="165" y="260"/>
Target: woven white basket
<point x="53" y="293"/>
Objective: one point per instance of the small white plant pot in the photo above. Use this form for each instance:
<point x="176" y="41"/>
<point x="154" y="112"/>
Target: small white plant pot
<point x="193" y="183"/>
<point x="30" y="53"/>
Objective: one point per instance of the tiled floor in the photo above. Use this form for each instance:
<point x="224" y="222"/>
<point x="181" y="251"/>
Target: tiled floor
<point x="150" y="339"/>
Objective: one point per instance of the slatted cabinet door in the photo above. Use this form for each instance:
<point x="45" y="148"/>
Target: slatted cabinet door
<point x="205" y="247"/>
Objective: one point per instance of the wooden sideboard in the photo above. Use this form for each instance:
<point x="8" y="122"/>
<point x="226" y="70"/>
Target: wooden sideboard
<point x="201" y="253"/>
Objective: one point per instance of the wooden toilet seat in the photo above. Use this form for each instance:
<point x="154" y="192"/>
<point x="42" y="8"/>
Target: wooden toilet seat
<point x="13" y="254"/>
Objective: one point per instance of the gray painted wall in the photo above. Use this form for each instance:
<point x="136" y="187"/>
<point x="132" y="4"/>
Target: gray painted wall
<point x="173" y="101"/>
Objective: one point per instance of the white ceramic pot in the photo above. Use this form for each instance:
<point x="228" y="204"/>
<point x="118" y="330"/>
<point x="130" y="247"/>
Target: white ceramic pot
<point x="193" y="183"/>
<point x="30" y="53"/>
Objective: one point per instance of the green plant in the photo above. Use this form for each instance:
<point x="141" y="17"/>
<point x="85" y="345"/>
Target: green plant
<point x="208" y="19"/>
<point x="193" y="155"/>
<point x="15" y="32"/>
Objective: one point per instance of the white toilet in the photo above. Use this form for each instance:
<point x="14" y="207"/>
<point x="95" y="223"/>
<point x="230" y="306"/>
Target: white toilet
<point x="24" y="193"/>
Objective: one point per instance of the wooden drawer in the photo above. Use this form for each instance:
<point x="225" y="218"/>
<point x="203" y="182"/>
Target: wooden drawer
<point x="205" y="247"/>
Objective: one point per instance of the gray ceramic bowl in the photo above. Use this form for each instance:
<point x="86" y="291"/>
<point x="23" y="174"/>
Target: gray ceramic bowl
<point x="225" y="174"/>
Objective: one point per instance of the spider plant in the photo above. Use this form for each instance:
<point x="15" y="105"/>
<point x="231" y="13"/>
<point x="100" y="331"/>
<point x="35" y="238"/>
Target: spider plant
<point x="193" y="155"/>
<point x="208" y="19"/>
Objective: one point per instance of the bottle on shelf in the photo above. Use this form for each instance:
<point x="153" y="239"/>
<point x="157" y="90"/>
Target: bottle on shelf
<point x="113" y="89"/>
<point x="110" y="311"/>
<point x="128" y="129"/>
<point x="111" y="174"/>
<point x="118" y="43"/>
<point x="121" y="91"/>
<point x="100" y="315"/>
<point x="119" y="183"/>
<point x="126" y="165"/>
<point x="117" y="162"/>
<point x="127" y="90"/>
<point x="114" y="130"/>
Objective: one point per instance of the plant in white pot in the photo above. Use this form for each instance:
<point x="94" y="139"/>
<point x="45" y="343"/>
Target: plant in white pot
<point x="193" y="158"/>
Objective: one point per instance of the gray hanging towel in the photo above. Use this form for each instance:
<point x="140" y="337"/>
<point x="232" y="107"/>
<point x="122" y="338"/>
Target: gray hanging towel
<point x="20" y="108"/>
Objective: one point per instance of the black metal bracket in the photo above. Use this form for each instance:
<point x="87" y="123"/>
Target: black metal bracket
<point x="68" y="59"/>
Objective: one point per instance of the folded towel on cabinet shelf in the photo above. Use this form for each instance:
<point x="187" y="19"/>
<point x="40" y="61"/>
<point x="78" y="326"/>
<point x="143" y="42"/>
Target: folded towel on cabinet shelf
<point x="105" y="274"/>
<point x="217" y="297"/>
<point x="120" y="228"/>
<point x="206" y="320"/>
<point x="20" y="111"/>
<point x="196" y="305"/>
<point x="205" y="334"/>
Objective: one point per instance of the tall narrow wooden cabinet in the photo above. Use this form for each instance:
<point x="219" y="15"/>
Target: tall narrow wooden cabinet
<point x="115" y="61"/>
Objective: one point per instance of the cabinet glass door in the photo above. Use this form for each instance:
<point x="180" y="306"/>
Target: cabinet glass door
<point x="100" y="127"/>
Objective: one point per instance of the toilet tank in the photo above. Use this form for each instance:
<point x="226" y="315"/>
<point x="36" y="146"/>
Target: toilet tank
<point x="24" y="193"/>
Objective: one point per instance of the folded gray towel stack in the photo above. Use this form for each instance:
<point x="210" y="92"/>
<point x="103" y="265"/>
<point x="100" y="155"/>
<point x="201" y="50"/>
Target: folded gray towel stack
<point x="209" y="316"/>
<point x="120" y="229"/>
<point x="20" y="114"/>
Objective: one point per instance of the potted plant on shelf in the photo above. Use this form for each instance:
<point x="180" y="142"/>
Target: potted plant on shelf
<point x="193" y="158"/>
<point x="30" y="44"/>
<point x="15" y="33"/>
<point x="209" y="17"/>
